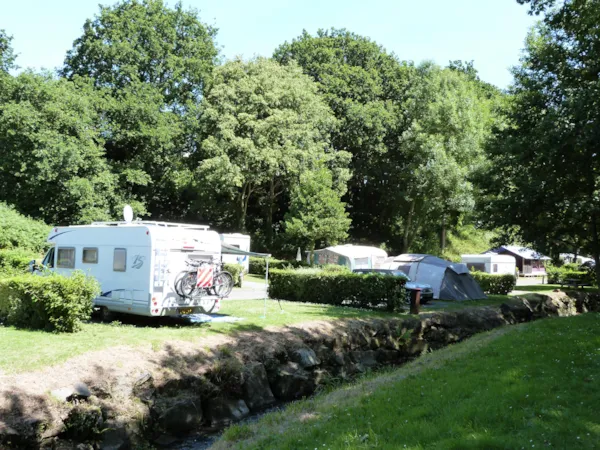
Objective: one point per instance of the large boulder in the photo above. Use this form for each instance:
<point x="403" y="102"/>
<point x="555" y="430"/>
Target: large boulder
<point x="222" y="412"/>
<point x="305" y="357"/>
<point x="182" y="416"/>
<point x="114" y="436"/>
<point x="367" y="359"/>
<point x="256" y="389"/>
<point x="291" y="382"/>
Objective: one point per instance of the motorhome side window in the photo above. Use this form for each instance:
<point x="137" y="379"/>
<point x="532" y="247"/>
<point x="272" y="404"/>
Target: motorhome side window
<point x="120" y="260"/>
<point x="65" y="258"/>
<point x="90" y="256"/>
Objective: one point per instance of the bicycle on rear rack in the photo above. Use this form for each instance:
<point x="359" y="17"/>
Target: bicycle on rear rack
<point x="204" y="283"/>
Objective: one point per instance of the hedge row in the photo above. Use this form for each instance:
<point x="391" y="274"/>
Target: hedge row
<point x="338" y="288"/>
<point x="557" y="275"/>
<point x="236" y="271"/>
<point x="15" y="261"/>
<point x="52" y="302"/>
<point x="258" y="265"/>
<point x="490" y="283"/>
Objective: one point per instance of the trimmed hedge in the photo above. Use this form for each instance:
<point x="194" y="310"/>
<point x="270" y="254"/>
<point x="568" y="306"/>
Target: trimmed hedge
<point x="52" y="302"/>
<point x="19" y="231"/>
<point x="490" y="283"/>
<point x="15" y="261"/>
<point x="556" y="275"/>
<point x="236" y="271"/>
<point x="257" y="266"/>
<point x="338" y="288"/>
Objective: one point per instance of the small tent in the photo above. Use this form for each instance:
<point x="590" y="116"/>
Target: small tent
<point x="450" y="281"/>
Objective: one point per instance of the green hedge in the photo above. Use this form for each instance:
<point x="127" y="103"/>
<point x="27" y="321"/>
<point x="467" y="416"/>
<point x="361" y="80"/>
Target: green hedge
<point x="494" y="284"/>
<point x="19" y="231"/>
<point x="15" y="261"/>
<point x="51" y="302"/>
<point x="556" y="275"/>
<point x="338" y="288"/>
<point x="236" y="271"/>
<point x="258" y="265"/>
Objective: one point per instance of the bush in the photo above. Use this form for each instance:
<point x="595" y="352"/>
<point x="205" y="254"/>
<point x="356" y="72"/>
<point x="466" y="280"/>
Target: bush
<point x="15" y="261"/>
<point x="17" y="230"/>
<point x="258" y="265"/>
<point x="338" y="288"/>
<point x="557" y="275"/>
<point x="52" y="302"/>
<point x="236" y="271"/>
<point x="494" y="284"/>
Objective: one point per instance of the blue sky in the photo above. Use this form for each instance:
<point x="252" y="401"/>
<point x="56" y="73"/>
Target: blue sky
<point x="490" y="32"/>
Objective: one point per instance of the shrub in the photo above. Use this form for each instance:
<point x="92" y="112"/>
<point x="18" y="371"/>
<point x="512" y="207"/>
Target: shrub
<point x="17" y="230"/>
<point x="338" y="288"/>
<point x="15" y="261"/>
<point x="236" y="271"/>
<point x="557" y="275"/>
<point x="258" y="266"/>
<point x="52" y="302"/>
<point x="494" y="284"/>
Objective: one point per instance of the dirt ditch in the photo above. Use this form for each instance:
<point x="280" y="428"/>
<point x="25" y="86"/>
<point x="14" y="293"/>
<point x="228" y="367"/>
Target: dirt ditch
<point x="122" y="397"/>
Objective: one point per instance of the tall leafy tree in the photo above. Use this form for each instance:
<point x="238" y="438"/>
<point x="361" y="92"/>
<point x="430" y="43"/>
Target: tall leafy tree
<point x="146" y="41"/>
<point x="7" y="54"/>
<point x="360" y="81"/>
<point x="52" y="163"/>
<point x="263" y="124"/>
<point x="543" y="183"/>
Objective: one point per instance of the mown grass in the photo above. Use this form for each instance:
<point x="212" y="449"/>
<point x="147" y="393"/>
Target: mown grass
<point x="529" y="386"/>
<point x="24" y="350"/>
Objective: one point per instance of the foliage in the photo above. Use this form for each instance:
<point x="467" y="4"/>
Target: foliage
<point x="52" y="165"/>
<point x="495" y="284"/>
<point x="338" y="288"/>
<point x="316" y="217"/>
<point x="20" y="231"/>
<point x="262" y="126"/>
<point x="146" y="42"/>
<point x="7" y="54"/>
<point x="257" y="266"/>
<point x="236" y="271"/>
<point x="543" y="182"/>
<point x="15" y="261"/>
<point x="558" y="275"/>
<point x="467" y="240"/>
<point x="52" y="302"/>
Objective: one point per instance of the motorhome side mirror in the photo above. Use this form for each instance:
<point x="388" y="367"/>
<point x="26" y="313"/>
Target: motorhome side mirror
<point x="32" y="266"/>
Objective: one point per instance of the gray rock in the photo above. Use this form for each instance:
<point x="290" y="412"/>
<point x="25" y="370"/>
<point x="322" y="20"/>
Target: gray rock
<point x="291" y="382"/>
<point x="114" y="436"/>
<point x="366" y="359"/>
<point x="8" y="435"/>
<point x="221" y="412"/>
<point x="256" y="389"/>
<point x="306" y="357"/>
<point x="182" y="417"/>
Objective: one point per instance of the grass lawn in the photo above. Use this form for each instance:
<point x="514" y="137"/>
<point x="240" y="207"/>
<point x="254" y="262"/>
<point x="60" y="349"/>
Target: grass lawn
<point x="24" y="350"/>
<point x="529" y="386"/>
<point x="254" y="278"/>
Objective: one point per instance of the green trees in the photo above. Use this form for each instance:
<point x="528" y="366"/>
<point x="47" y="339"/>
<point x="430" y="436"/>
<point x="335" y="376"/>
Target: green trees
<point x="263" y="126"/>
<point x="543" y="181"/>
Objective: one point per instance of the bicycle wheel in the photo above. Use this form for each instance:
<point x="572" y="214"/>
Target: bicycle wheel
<point x="177" y="282"/>
<point x="207" y="304"/>
<point x="223" y="284"/>
<point x="187" y="284"/>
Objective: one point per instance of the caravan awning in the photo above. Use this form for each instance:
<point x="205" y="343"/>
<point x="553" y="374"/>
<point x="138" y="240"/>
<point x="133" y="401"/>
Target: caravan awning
<point x="227" y="249"/>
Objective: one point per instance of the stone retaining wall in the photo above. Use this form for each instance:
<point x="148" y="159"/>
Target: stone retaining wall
<point x="236" y="384"/>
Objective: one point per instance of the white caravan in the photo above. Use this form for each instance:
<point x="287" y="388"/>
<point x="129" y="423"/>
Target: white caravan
<point x="136" y="263"/>
<point x="491" y="263"/>
<point x="241" y="241"/>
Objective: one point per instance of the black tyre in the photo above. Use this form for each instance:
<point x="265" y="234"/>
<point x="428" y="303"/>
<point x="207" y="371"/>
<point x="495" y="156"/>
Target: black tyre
<point x="223" y="284"/>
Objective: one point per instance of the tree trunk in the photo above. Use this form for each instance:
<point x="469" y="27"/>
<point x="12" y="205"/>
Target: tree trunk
<point x="407" y="225"/>
<point x="443" y="235"/>
<point x="243" y="200"/>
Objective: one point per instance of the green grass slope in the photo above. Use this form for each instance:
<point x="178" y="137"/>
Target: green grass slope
<point x="529" y="386"/>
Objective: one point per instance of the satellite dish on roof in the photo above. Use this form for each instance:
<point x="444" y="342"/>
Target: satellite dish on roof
<point x="128" y="213"/>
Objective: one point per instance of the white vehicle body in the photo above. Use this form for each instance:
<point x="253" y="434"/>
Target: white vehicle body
<point x="241" y="241"/>
<point x="491" y="263"/>
<point x="136" y="263"/>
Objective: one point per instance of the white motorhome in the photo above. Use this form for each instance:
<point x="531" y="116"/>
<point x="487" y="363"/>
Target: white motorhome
<point x="241" y="241"/>
<point x="136" y="263"/>
<point x="491" y="263"/>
